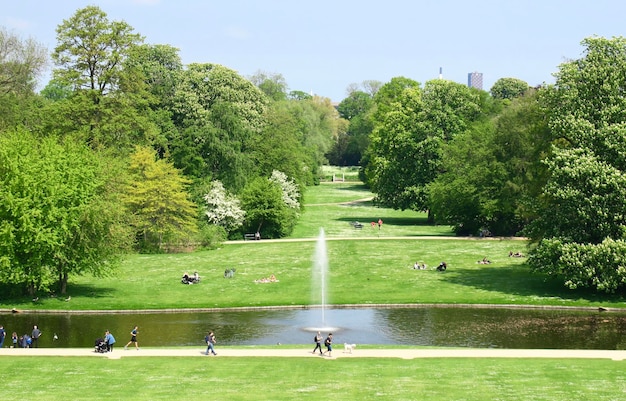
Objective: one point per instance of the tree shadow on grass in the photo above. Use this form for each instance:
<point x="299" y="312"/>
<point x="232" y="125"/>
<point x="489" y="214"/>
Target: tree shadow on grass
<point x="396" y="221"/>
<point x="352" y="187"/>
<point x="17" y="299"/>
<point x="516" y="280"/>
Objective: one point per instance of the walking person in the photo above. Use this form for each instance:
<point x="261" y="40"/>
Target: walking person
<point x="109" y="340"/>
<point x="14" y="340"/>
<point x="133" y="338"/>
<point x="329" y="344"/>
<point x="318" y="343"/>
<point x="35" y="336"/>
<point x="210" y="342"/>
<point x="3" y="334"/>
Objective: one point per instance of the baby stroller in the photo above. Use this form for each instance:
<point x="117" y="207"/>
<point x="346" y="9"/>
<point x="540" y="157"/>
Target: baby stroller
<point x="100" y="346"/>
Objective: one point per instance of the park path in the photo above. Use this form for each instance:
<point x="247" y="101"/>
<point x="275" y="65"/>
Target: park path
<point x="616" y="355"/>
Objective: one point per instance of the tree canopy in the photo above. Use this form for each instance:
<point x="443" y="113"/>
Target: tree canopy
<point x="59" y="212"/>
<point x="582" y="217"/>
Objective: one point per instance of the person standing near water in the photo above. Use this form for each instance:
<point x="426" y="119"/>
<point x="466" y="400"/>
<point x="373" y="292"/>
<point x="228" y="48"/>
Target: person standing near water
<point x="210" y="341"/>
<point x="318" y="343"/>
<point x="109" y="340"/>
<point x="329" y="344"/>
<point x="36" y="333"/>
<point x="133" y="338"/>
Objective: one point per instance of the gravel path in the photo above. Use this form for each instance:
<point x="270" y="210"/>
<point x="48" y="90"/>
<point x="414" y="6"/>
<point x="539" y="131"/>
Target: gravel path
<point x="117" y="353"/>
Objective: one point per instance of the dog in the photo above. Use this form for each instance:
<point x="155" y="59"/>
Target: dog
<point x="348" y="347"/>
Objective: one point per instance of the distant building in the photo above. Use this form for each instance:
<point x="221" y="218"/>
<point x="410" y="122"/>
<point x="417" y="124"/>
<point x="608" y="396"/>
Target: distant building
<point x="475" y="80"/>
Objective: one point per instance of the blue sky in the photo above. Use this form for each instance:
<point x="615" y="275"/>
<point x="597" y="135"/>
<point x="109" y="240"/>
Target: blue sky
<point x="323" y="46"/>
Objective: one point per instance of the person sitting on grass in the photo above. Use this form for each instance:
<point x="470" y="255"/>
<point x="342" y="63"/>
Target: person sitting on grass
<point x="442" y="266"/>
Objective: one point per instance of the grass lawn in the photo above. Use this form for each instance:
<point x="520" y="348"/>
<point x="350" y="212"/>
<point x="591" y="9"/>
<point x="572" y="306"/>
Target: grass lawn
<point x="367" y="266"/>
<point x="313" y="378"/>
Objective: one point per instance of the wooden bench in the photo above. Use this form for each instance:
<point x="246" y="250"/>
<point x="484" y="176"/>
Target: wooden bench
<point x="356" y="225"/>
<point x="249" y="237"/>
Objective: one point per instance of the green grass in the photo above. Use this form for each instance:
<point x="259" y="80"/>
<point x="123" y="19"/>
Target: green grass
<point x="161" y="378"/>
<point x="348" y="173"/>
<point x="334" y="206"/>
<point x="371" y="266"/>
<point x="360" y="272"/>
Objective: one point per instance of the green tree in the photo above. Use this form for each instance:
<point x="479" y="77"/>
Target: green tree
<point x="351" y="145"/>
<point x="266" y="211"/>
<point x="157" y="198"/>
<point x="508" y="88"/>
<point x="110" y="103"/>
<point x="59" y="212"/>
<point x="405" y="148"/>
<point x="493" y="172"/>
<point x="279" y="146"/>
<point x="21" y="63"/>
<point x="583" y="205"/>
<point x="273" y="85"/>
<point x="217" y="112"/>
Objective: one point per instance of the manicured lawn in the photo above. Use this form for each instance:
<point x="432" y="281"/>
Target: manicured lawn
<point x="314" y="378"/>
<point x="367" y="266"/>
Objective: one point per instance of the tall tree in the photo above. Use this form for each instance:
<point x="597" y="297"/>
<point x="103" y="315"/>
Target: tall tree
<point x="508" y="88"/>
<point x="405" y="149"/>
<point x="109" y="103"/>
<point x="583" y="212"/>
<point x="156" y="196"/>
<point x="59" y="212"/>
<point x="280" y="146"/>
<point x="351" y="145"/>
<point x="266" y="211"/>
<point x="21" y="63"/>
<point x="493" y="172"/>
<point x="216" y="112"/>
<point x="273" y="85"/>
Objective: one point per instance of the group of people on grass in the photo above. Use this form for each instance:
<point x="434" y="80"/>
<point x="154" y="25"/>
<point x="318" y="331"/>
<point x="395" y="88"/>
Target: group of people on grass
<point x="270" y="279"/>
<point x="422" y="266"/>
<point x="187" y="279"/>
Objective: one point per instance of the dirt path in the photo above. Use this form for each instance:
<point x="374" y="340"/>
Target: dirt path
<point x="339" y="352"/>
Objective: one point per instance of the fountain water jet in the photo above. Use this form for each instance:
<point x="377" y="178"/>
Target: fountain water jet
<point x="319" y="280"/>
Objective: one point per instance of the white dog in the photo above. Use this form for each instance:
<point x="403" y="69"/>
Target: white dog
<point x="348" y="347"/>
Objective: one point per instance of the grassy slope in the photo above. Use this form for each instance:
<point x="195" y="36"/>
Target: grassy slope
<point x="374" y="267"/>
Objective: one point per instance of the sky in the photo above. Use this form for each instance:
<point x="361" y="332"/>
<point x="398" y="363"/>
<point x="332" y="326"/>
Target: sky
<point x="324" y="46"/>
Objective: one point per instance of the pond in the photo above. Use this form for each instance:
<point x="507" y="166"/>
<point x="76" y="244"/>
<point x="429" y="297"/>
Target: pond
<point x="424" y="325"/>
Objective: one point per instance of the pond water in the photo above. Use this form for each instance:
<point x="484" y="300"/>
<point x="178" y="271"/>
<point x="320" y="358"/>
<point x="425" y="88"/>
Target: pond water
<point x="426" y="326"/>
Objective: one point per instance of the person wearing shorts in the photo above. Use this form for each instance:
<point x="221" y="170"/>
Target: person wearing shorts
<point x="133" y="338"/>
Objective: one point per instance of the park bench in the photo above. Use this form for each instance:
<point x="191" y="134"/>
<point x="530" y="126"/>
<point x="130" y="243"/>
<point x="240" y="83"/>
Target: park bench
<point x="249" y="237"/>
<point x="356" y="225"/>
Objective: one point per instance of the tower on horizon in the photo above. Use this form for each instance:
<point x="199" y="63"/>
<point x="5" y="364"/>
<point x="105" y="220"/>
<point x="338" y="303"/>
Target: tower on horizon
<point x="440" y="72"/>
<point x="475" y="80"/>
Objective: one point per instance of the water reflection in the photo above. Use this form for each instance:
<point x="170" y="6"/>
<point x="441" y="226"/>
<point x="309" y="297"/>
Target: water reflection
<point x="428" y="326"/>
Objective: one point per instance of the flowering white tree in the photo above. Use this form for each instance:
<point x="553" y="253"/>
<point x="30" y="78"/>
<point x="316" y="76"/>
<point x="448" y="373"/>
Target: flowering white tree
<point x="291" y="194"/>
<point x="223" y="208"/>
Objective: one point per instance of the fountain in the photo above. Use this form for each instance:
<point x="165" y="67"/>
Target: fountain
<point x="319" y="275"/>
